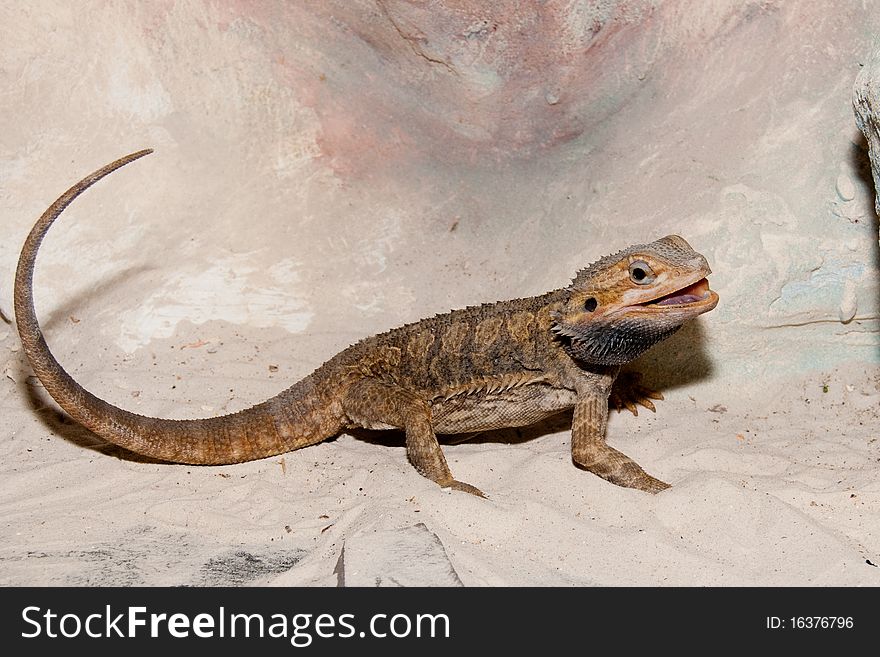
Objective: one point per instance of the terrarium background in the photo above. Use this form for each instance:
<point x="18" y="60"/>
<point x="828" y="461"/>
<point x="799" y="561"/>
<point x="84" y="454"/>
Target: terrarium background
<point x="324" y="171"/>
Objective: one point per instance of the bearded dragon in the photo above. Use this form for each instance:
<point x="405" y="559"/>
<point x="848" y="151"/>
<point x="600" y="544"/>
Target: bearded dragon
<point x="505" y="364"/>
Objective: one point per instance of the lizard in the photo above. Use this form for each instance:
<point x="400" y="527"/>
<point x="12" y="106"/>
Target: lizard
<point x="504" y="364"/>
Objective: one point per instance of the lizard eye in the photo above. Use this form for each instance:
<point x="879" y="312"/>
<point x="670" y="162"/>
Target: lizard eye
<point x="640" y="272"/>
<point x="591" y="304"/>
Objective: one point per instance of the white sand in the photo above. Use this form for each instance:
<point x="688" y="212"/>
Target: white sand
<point x="781" y="493"/>
<point x="286" y="215"/>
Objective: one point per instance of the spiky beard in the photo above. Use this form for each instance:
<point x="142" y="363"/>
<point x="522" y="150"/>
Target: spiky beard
<point x="613" y="343"/>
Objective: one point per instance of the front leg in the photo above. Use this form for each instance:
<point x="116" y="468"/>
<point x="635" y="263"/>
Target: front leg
<point x="589" y="450"/>
<point x="370" y="402"/>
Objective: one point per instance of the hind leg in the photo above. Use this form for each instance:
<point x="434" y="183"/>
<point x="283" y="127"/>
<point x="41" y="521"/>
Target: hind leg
<point x="370" y="403"/>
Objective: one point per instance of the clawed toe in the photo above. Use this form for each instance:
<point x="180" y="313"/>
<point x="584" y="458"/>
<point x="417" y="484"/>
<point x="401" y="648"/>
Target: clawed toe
<point x="655" y="486"/>
<point x="465" y="488"/>
<point x="628" y="391"/>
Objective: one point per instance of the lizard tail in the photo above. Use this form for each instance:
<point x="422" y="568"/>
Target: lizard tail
<point x="303" y="414"/>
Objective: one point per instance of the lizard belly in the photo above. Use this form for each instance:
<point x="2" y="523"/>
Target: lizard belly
<point x="517" y="407"/>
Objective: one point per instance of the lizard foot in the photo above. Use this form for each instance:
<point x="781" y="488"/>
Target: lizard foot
<point x="651" y="484"/>
<point x="630" y="478"/>
<point x="465" y="488"/>
<point x="617" y="468"/>
<point x="628" y="391"/>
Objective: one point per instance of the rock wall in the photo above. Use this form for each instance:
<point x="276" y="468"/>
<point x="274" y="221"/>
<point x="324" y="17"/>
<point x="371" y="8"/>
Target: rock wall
<point x="335" y="169"/>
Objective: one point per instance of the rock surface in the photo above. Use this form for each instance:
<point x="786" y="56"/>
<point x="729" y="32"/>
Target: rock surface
<point x="409" y="556"/>
<point x="866" y="102"/>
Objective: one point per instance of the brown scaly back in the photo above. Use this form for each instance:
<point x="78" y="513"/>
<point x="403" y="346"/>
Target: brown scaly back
<point x="296" y="417"/>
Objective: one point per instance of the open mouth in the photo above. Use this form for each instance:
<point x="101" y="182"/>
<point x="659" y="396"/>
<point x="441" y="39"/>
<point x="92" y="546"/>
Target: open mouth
<point x="698" y="291"/>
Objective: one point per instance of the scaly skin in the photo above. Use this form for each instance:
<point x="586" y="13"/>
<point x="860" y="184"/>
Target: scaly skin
<point x="504" y="364"/>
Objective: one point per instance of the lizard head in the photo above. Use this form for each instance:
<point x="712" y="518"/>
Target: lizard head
<point x="621" y="305"/>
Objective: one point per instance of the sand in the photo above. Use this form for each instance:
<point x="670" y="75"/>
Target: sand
<point x="764" y="494"/>
<point x="324" y="174"/>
